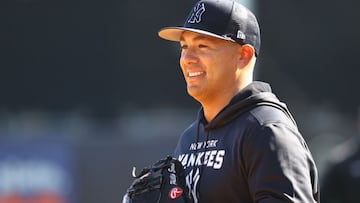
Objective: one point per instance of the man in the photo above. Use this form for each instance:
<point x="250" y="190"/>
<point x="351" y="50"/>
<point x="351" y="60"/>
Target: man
<point x="244" y="146"/>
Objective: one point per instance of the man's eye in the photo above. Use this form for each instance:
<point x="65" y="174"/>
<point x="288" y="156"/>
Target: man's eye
<point x="183" y="47"/>
<point x="202" y="46"/>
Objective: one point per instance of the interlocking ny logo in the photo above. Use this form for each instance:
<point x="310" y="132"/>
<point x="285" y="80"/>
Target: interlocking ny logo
<point x="195" y="17"/>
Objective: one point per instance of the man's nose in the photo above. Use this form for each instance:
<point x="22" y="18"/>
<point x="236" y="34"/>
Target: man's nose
<point x="188" y="56"/>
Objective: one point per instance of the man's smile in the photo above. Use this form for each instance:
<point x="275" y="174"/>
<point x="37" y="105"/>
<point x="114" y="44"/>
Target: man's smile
<point x="195" y="74"/>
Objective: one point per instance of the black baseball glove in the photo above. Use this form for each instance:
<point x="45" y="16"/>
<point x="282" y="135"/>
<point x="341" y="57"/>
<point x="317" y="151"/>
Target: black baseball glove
<point x="162" y="182"/>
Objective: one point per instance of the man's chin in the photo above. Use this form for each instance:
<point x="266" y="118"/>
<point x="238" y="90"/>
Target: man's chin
<point x="195" y="92"/>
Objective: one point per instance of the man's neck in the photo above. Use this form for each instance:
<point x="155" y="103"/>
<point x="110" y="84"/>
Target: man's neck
<point x="213" y="107"/>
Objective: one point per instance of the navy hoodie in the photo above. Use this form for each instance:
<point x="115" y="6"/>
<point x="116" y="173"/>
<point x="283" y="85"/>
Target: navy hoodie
<point x="250" y="152"/>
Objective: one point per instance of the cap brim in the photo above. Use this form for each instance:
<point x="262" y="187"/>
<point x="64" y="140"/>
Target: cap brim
<point x="174" y="33"/>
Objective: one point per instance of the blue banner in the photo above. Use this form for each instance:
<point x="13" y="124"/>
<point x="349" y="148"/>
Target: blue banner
<point x="36" y="172"/>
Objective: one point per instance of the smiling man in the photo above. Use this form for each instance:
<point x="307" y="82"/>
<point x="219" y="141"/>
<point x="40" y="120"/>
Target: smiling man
<point x="213" y="70"/>
<point x="244" y="146"/>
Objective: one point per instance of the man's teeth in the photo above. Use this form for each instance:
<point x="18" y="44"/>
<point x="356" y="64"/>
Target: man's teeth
<point x="192" y="74"/>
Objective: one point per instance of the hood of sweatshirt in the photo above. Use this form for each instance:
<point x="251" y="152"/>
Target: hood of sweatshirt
<point x="255" y="94"/>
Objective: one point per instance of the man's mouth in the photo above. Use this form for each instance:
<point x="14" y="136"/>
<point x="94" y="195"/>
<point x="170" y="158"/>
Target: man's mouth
<point x="194" y="74"/>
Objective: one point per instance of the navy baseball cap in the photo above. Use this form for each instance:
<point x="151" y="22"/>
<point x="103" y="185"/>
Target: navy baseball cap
<point x="224" y="19"/>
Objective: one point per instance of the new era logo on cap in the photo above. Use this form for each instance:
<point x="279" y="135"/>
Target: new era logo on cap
<point x="240" y="35"/>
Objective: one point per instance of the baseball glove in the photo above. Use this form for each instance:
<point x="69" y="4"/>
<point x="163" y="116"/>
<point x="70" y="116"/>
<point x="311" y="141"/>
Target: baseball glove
<point x="162" y="182"/>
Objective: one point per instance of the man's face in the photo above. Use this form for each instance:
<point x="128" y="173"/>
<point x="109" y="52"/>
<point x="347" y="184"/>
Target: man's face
<point x="209" y="65"/>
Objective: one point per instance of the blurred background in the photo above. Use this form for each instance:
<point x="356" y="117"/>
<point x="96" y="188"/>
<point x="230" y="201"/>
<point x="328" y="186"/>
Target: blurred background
<point x="88" y="90"/>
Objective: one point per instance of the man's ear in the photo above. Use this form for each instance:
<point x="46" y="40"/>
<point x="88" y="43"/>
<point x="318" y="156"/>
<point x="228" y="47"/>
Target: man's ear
<point x="247" y="53"/>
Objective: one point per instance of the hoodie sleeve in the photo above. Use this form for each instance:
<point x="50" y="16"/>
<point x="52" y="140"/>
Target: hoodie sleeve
<point x="279" y="166"/>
